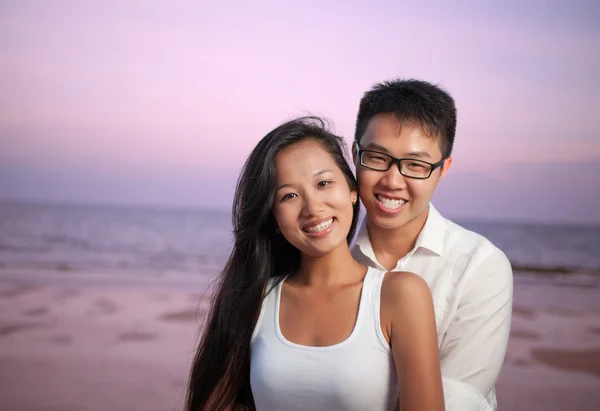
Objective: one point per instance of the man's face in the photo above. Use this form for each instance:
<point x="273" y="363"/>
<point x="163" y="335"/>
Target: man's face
<point x="391" y="199"/>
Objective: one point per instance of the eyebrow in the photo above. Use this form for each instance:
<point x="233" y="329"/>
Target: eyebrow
<point x="377" y="147"/>
<point x="417" y="153"/>
<point x="327" y="170"/>
<point x="318" y="173"/>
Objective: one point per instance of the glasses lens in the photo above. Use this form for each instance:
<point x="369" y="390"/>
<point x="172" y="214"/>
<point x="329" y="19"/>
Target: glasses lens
<point x="377" y="161"/>
<point x="415" y="168"/>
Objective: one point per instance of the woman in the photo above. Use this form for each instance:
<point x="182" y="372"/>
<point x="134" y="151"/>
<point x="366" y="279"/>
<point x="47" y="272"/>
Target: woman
<point x="297" y="323"/>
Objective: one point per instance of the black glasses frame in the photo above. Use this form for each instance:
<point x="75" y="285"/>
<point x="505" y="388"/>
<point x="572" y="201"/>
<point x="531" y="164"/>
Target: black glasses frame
<point x="398" y="161"/>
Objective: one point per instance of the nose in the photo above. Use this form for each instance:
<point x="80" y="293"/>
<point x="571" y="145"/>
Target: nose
<point x="392" y="179"/>
<point x="313" y="205"/>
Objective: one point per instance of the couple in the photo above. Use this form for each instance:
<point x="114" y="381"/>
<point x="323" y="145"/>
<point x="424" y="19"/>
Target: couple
<point x="415" y="315"/>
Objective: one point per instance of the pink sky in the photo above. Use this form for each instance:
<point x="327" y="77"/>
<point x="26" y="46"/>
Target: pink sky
<point x="159" y="103"/>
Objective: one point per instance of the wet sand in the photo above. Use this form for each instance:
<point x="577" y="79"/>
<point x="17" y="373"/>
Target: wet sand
<point x="96" y="347"/>
<point x="553" y="358"/>
<point x="74" y="343"/>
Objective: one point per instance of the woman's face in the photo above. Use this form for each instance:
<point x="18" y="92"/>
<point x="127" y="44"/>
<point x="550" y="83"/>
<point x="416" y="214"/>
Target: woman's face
<point x="313" y="202"/>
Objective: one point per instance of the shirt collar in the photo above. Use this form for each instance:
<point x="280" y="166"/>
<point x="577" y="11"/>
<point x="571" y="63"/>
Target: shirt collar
<point x="431" y="236"/>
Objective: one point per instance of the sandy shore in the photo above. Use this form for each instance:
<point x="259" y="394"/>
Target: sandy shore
<point x="93" y="346"/>
<point x="92" y="343"/>
<point x="553" y="358"/>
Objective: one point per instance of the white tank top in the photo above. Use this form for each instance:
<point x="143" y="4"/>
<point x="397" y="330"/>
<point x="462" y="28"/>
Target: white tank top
<point x="355" y="374"/>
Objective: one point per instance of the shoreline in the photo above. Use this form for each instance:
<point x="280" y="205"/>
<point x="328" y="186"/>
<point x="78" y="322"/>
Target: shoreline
<point x="98" y="341"/>
<point x="202" y="279"/>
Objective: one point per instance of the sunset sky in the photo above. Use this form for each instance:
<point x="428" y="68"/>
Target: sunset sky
<point x="159" y="103"/>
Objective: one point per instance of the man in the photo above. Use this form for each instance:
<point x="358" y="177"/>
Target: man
<point x="403" y="144"/>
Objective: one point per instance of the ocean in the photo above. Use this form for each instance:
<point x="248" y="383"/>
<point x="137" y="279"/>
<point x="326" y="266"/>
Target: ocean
<point x="138" y="241"/>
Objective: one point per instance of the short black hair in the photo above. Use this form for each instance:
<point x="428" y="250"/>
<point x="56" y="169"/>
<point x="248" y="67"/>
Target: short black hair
<point x="411" y="101"/>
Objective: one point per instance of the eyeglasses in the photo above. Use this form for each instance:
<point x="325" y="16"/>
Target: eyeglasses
<point x="409" y="167"/>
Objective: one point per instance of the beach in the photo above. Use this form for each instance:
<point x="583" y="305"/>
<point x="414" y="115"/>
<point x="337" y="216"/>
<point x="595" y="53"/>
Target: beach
<point x="97" y="342"/>
<point x="73" y="344"/>
<point x="553" y="357"/>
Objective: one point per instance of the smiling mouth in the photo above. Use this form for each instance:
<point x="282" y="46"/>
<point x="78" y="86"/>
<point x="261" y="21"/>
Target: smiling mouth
<point x="390" y="204"/>
<point x="317" y="228"/>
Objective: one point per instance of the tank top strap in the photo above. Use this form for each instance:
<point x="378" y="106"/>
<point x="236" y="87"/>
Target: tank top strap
<point x="377" y="283"/>
<point x="367" y="292"/>
<point x="369" y="309"/>
<point x="371" y="291"/>
<point x="266" y="319"/>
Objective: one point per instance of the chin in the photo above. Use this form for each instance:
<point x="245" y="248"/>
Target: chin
<point x="323" y="250"/>
<point x="389" y="222"/>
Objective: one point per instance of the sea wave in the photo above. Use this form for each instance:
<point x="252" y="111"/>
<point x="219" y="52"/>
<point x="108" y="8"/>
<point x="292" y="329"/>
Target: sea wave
<point x="552" y="270"/>
<point x="211" y="264"/>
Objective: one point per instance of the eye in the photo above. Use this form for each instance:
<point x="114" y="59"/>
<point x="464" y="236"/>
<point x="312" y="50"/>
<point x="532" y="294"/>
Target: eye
<point x="324" y="183"/>
<point x="289" y="196"/>
<point x="375" y="157"/>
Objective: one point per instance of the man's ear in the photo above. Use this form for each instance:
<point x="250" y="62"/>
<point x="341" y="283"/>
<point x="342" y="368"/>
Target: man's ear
<point x="445" y="167"/>
<point x="355" y="150"/>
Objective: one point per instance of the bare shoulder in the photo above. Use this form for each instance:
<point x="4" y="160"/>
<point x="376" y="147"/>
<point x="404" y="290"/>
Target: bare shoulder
<point x="405" y="300"/>
<point x="402" y="288"/>
<point x="406" y="305"/>
<point x="405" y="297"/>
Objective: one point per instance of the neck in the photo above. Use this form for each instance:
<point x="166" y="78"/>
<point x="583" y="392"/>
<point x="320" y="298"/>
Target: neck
<point x="399" y="241"/>
<point x="333" y="268"/>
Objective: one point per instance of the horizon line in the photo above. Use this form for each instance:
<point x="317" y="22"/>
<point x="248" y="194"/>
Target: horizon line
<point x="227" y="210"/>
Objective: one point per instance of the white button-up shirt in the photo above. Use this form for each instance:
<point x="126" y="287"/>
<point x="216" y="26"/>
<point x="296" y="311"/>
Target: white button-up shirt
<point x="472" y="287"/>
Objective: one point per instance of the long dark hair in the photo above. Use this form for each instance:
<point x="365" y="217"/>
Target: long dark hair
<point x="220" y="374"/>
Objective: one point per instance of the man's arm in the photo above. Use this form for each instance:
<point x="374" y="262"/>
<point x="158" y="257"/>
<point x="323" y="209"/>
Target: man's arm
<point x="473" y="349"/>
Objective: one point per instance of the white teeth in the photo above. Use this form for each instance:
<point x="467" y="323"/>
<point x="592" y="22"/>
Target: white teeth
<point x="389" y="203"/>
<point x="319" y="227"/>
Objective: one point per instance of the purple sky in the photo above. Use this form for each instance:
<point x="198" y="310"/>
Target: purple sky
<point x="159" y="103"/>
